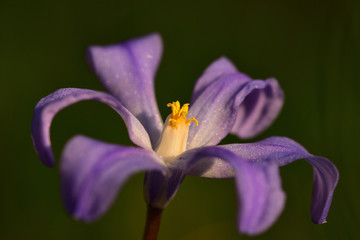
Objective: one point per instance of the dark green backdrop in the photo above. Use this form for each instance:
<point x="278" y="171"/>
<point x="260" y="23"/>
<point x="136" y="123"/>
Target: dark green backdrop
<point x="312" y="47"/>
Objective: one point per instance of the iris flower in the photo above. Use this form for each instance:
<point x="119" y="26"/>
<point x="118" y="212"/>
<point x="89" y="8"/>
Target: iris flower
<point x="223" y="101"/>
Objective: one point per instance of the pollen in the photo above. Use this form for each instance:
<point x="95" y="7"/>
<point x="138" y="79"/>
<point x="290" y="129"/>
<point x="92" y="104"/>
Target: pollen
<point x="179" y="115"/>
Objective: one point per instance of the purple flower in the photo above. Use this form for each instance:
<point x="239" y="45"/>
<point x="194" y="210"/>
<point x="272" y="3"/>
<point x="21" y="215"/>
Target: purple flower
<point x="224" y="101"/>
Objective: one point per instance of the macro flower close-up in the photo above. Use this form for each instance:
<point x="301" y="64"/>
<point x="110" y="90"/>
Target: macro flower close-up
<point x="187" y="142"/>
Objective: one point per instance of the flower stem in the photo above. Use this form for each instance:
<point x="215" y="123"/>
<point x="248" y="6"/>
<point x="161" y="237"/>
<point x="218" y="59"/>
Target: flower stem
<point x="152" y="225"/>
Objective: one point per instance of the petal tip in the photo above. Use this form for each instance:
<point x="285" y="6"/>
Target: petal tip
<point x="154" y="35"/>
<point x="319" y="221"/>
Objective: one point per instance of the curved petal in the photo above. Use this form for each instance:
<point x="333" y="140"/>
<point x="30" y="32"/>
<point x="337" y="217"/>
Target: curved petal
<point x="218" y="68"/>
<point x="282" y="151"/>
<point x="216" y="108"/>
<point x="93" y="172"/>
<point x="160" y="189"/>
<point x="49" y="106"/>
<point x="127" y="71"/>
<point x="259" y="109"/>
<point x="260" y="197"/>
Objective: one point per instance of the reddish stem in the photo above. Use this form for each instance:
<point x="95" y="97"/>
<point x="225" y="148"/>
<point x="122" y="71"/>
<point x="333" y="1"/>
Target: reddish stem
<point x="153" y="220"/>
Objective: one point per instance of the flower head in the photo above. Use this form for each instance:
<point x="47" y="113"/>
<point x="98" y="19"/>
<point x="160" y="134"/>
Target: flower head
<point x="224" y="101"/>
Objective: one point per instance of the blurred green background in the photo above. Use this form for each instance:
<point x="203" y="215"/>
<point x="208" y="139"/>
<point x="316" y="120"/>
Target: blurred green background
<point x="312" y="47"/>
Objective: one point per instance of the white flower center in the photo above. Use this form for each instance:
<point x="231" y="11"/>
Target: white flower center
<point x="175" y="133"/>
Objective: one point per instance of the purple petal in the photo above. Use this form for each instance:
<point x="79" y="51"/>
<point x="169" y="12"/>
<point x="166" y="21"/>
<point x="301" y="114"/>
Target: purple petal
<point x="160" y="189"/>
<point x="49" y="106"/>
<point x="218" y="68"/>
<point x="212" y="168"/>
<point x="216" y="108"/>
<point x="93" y="172"/>
<point x="260" y="197"/>
<point x="127" y="71"/>
<point x="282" y="151"/>
<point x="259" y="109"/>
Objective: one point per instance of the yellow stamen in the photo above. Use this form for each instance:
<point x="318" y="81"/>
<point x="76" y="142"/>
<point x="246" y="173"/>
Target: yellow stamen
<point x="179" y="114"/>
<point x="190" y="120"/>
